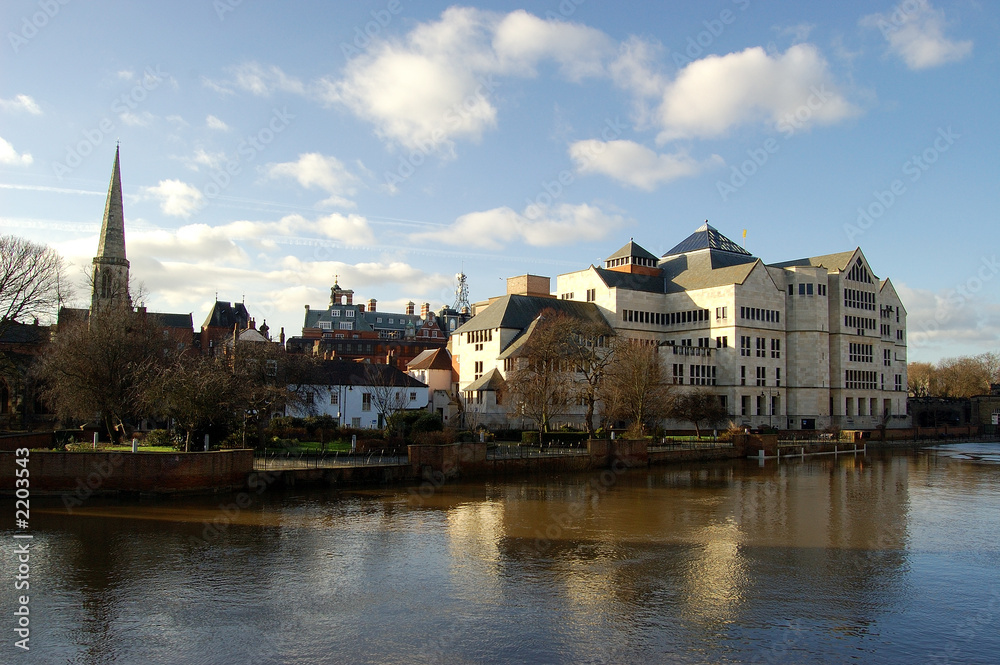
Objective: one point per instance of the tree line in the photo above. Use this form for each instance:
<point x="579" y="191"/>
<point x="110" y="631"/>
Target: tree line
<point x="964" y="376"/>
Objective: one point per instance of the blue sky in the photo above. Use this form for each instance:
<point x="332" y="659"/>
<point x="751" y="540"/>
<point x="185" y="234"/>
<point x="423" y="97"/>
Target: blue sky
<point x="267" y="147"/>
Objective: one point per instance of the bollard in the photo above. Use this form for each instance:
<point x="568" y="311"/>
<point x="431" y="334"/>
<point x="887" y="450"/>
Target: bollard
<point x="206" y="443"/>
<point x="135" y="445"/>
<point x="95" y="440"/>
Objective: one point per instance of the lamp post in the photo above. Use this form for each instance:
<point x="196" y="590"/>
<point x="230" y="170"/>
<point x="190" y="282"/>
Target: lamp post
<point x="769" y="405"/>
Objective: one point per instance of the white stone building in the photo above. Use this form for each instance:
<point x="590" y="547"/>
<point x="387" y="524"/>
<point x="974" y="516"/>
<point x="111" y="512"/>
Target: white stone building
<point x="813" y="343"/>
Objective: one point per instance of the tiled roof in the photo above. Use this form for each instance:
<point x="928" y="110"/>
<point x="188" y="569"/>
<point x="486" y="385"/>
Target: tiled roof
<point x="168" y="320"/>
<point x="492" y="380"/>
<point x="225" y="315"/>
<point x="345" y="373"/>
<point x="431" y="359"/>
<point x="704" y="270"/>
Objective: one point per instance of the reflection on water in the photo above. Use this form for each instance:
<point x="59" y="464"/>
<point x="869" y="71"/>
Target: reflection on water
<point x="888" y="558"/>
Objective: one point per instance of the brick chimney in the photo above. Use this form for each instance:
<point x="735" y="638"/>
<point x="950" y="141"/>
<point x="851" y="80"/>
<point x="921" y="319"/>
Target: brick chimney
<point x="409" y="308"/>
<point x="371" y="305"/>
<point x="425" y="309"/>
<point x="361" y="308"/>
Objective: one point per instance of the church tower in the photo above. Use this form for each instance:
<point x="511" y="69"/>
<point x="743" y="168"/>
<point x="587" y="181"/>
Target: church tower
<point x="110" y="265"/>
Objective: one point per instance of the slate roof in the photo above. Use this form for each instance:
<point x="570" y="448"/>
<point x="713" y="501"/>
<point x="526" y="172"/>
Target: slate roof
<point x="706" y="270"/>
<point x="492" y="380"/>
<point x="838" y="261"/>
<point x="633" y="282"/>
<point x="23" y="333"/>
<point x="346" y="373"/>
<point x="225" y="315"/>
<point x="706" y="236"/>
<point x="632" y="249"/>
<point x="517" y="312"/>
<point x="168" y="320"/>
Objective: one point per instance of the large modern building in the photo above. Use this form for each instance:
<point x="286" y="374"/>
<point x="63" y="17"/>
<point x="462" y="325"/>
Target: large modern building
<point x="814" y="343"/>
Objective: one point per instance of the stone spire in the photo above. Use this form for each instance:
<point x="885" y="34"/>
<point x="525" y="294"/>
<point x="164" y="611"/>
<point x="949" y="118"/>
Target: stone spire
<point x="110" y="264"/>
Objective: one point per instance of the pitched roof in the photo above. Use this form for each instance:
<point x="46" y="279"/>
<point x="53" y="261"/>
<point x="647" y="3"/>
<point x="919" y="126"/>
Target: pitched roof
<point x="167" y="320"/>
<point x="632" y="249"/>
<point x="492" y="380"/>
<point x="690" y="272"/>
<point x="346" y="373"/>
<point x="517" y="312"/>
<point x="838" y="261"/>
<point x="633" y="282"/>
<point x="706" y="236"/>
<point x="225" y="315"/>
<point x="431" y="359"/>
<point x="14" y="332"/>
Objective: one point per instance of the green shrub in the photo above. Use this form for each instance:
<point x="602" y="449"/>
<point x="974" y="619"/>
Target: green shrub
<point x="427" y="422"/>
<point x="160" y="437"/>
<point x="529" y="437"/>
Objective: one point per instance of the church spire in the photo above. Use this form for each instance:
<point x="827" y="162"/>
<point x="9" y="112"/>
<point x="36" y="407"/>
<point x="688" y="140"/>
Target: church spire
<point x="110" y="265"/>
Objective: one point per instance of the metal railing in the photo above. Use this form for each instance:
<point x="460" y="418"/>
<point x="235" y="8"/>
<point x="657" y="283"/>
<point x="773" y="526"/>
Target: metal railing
<point x="274" y="461"/>
<point x="517" y="451"/>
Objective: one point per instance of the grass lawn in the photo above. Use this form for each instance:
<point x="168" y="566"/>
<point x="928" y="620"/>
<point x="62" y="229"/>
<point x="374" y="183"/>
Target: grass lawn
<point x="87" y="447"/>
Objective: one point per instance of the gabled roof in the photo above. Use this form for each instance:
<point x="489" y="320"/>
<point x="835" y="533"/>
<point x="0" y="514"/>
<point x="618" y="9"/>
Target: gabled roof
<point x="492" y="380"/>
<point x="706" y="236"/>
<point x="346" y="373"/>
<point x="167" y="320"/>
<point x="23" y="333"/>
<point x="517" y="312"/>
<point x="632" y="249"/>
<point x="839" y="261"/>
<point x="431" y="359"/>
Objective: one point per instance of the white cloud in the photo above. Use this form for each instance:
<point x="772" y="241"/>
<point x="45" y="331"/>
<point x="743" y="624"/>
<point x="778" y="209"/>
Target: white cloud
<point x="137" y="119"/>
<point x="21" y="103"/>
<point x="948" y="323"/>
<point x="437" y="84"/>
<point x="258" y="80"/>
<point x="915" y="33"/>
<point x="9" y="156"/>
<point x="539" y="226"/>
<point x="712" y="95"/>
<point x="635" y="165"/>
<point x="212" y="160"/>
<point x="126" y="74"/>
<point x="214" y="123"/>
<point x="316" y="170"/>
<point x="176" y="198"/>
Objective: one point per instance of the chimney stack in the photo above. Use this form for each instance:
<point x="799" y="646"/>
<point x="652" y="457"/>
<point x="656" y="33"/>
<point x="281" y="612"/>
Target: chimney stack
<point x="371" y="305"/>
<point x="425" y="309"/>
<point x="409" y="308"/>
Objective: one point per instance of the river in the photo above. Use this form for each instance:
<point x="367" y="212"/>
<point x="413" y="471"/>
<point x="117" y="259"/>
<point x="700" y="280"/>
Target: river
<point x="890" y="557"/>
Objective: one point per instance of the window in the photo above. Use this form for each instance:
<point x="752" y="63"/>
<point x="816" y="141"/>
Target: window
<point x="775" y="348"/>
<point x="591" y="295"/>
<point x="325" y="325"/>
<point x="744" y="345"/>
<point x="347" y="325"/>
<point x="821" y="289"/>
<point x="334" y="398"/>
<point x="413" y="396"/>
<point x="356" y="423"/>
<point x="761" y="347"/>
<point x="744" y="405"/>
<point x="349" y="313"/>
<point x="887" y="357"/>
<point x="760" y="405"/>
<point x="802" y="288"/>
<point x="721" y="313"/>
<point x="777" y="376"/>
<point x="761" y="376"/>
<point x="791" y="289"/>
<point x="899" y="382"/>
<point x="722" y="342"/>
<point x="366" y="401"/>
<point x="479" y="369"/>
<point x="335" y="312"/>
<point x="678" y="374"/>
<point x="743" y="375"/>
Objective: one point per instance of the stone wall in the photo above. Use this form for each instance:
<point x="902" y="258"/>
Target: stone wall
<point x="83" y="474"/>
<point x="11" y="442"/>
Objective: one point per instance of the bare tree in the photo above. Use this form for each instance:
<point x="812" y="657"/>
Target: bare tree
<point x="540" y="384"/>
<point x="591" y="350"/>
<point x="100" y="368"/>
<point x="30" y="277"/>
<point x="696" y="407"/>
<point x="197" y="392"/>
<point x="635" y="389"/>
<point x="389" y="392"/>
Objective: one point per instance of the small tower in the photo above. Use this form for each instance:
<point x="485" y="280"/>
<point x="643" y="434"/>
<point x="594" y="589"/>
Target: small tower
<point x="110" y="277"/>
